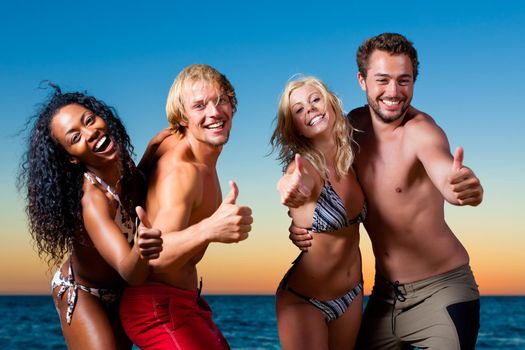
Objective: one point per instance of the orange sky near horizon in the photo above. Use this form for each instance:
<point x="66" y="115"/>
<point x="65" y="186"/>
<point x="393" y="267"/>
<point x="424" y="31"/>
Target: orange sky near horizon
<point x="256" y="265"/>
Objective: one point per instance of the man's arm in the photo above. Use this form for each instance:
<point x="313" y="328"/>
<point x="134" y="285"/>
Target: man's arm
<point x="180" y="192"/>
<point x="457" y="183"/>
<point x="300" y="237"/>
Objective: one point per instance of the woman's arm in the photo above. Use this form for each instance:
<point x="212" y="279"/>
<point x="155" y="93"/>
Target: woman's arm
<point x="296" y="185"/>
<point x="111" y="242"/>
<point x="148" y="156"/>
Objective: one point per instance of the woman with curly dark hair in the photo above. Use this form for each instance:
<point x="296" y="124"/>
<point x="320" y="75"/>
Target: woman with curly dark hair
<point x="82" y="186"/>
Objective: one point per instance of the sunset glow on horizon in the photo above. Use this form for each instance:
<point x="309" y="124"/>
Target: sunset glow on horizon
<point x="128" y="55"/>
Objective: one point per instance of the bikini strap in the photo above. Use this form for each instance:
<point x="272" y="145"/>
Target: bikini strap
<point x="122" y="218"/>
<point x="94" y="179"/>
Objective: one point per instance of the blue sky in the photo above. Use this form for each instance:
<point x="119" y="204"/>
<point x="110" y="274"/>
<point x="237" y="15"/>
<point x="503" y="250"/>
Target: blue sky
<point x="471" y="82"/>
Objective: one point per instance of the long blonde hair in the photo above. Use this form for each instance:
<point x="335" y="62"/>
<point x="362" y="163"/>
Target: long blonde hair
<point x="289" y="142"/>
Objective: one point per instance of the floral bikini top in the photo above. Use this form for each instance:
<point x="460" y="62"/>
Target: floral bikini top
<point x="330" y="212"/>
<point x="122" y="218"/>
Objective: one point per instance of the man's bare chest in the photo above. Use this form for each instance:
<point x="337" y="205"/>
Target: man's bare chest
<point x="386" y="170"/>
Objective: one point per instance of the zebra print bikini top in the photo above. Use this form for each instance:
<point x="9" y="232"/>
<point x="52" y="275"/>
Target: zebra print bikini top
<point x="122" y="218"/>
<point x="330" y="213"/>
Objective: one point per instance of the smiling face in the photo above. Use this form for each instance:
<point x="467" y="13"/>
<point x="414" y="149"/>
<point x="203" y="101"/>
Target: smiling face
<point x="311" y="115"/>
<point x="83" y="135"/>
<point x="208" y="112"/>
<point x="389" y="85"/>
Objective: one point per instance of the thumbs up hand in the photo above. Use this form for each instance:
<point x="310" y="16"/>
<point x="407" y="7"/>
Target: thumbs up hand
<point x="231" y="197"/>
<point x="464" y="186"/>
<point x="296" y="188"/>
<point x="149" y="240"/>
<point x="230" y="223"/>
<point x="457" y="163"/>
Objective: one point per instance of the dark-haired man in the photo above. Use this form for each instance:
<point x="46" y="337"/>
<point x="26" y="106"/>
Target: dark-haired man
<point x="424" y="292"/>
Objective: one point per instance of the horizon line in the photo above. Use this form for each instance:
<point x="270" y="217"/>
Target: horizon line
<point x="242" y="294"/>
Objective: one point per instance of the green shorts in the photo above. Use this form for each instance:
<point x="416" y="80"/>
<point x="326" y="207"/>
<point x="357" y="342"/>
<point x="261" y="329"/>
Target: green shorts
<point x="440" y="312"/>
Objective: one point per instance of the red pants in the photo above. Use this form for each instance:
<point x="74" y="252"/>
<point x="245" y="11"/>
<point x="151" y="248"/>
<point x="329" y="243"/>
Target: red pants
<point x="164" y="317"/>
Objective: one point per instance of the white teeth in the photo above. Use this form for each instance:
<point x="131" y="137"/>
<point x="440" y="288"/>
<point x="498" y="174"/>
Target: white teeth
<point x="216" y="125"/>
<point x="315" y="120"/>
<point x="100" y="142"/>
<point x="391" y="103"/>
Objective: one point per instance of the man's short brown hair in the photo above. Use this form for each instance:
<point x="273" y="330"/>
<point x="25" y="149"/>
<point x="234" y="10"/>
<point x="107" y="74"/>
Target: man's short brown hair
<point x="394" y="44"/>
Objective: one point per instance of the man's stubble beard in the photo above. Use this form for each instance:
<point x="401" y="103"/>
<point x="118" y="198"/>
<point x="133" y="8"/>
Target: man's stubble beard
<point x="386" y="119"/>
<point x="218" y="144"/>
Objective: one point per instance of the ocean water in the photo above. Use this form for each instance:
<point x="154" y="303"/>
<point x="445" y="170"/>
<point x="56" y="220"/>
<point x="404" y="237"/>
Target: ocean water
<point x="248" y="322"/>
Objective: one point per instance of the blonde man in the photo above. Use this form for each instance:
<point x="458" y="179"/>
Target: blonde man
<point x="184" y="199"/>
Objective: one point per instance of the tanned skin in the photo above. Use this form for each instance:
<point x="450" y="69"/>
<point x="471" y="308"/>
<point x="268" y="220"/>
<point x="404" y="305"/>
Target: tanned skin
<point x="332" y="266"/>
<point x="109" y="262"/>
<point x="184" y="197"/>
<point x="406" y="171"/>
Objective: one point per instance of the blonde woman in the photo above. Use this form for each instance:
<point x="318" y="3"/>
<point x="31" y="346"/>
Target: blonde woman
<point x="319" y="300"/>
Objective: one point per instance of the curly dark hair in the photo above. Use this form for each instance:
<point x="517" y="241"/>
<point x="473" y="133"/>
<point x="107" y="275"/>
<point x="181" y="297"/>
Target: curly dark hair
<point x="53" y="185"/>
<point x="392" y="43"/>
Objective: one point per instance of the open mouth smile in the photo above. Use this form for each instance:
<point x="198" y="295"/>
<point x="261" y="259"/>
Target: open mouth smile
<point x="102" y="144"/>
<point x="316" y="119"/>
<point x="216" y="125"/>
<point x="391" y="103"/>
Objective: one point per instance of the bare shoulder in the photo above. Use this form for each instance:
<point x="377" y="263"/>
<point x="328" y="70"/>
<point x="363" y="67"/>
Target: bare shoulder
<point x="415" y="117"/>
<point x="423" y="133"/>
<point x="169" y="143"/>
<point x="174" y="166"/>
<point x="181" y="178"/>
<point x="420" y="124"/>
<point x="94" y="199"/>
<point x="169" y="151"/>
